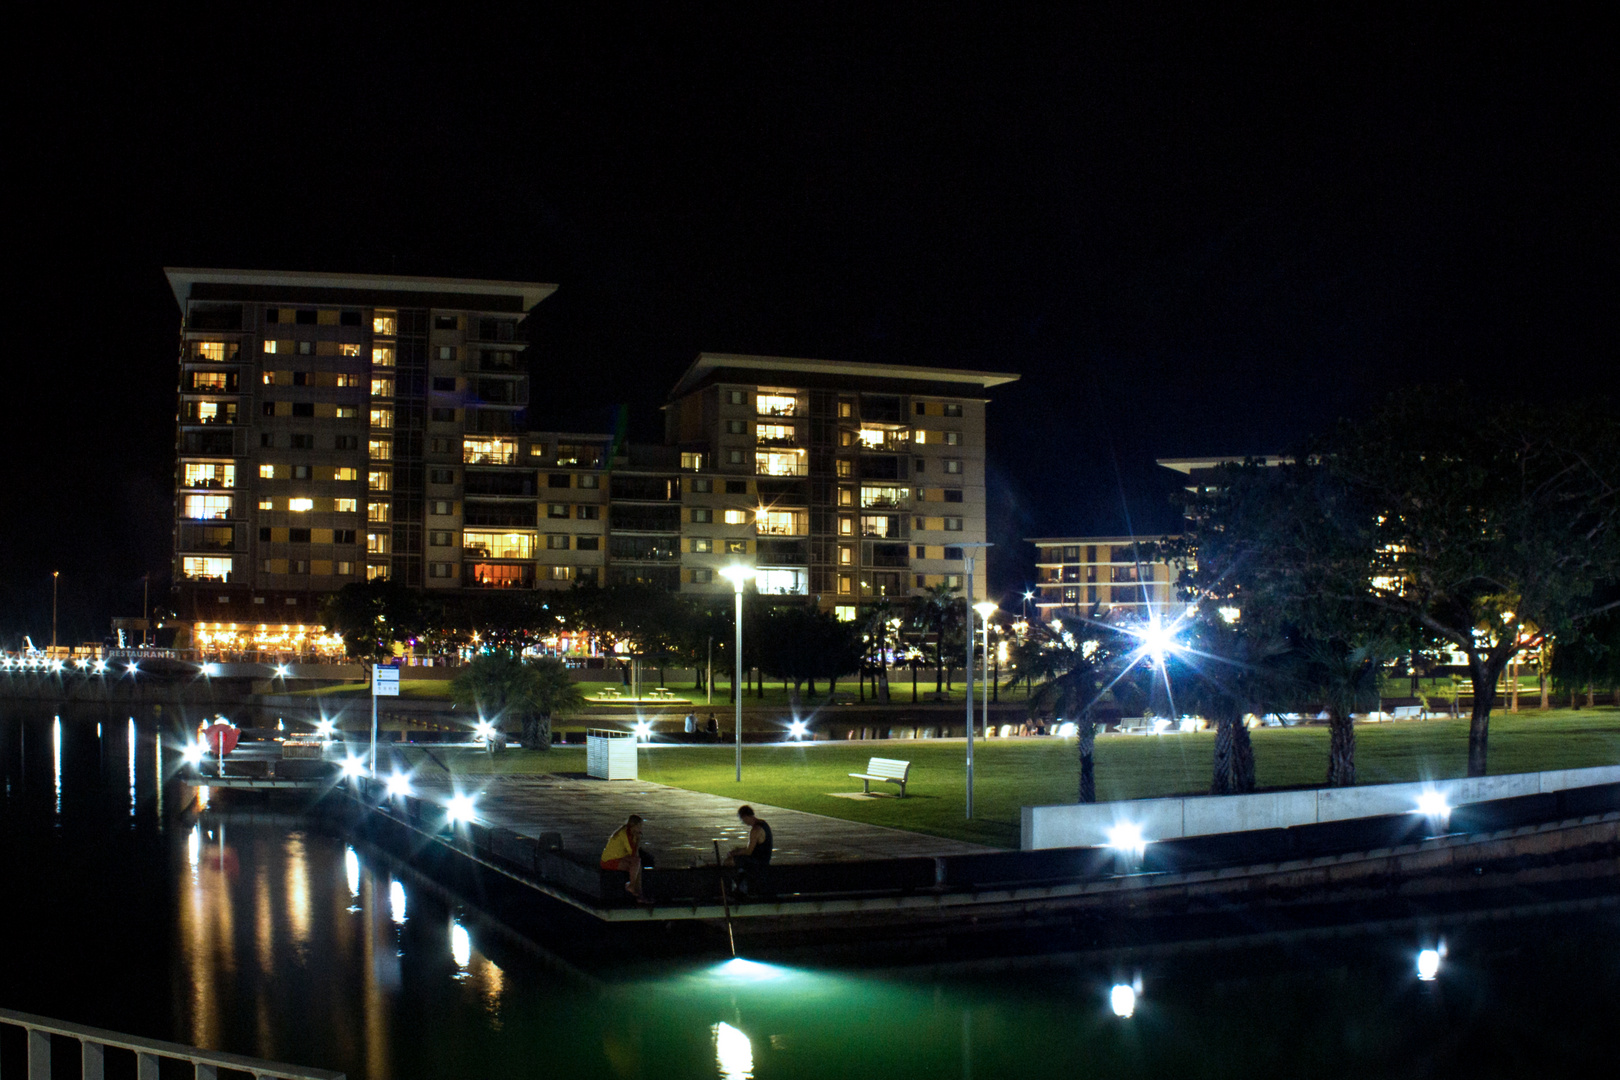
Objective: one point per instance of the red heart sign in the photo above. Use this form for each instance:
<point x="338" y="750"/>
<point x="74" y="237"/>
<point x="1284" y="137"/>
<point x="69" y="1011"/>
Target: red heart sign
<point x="222" y="738"/>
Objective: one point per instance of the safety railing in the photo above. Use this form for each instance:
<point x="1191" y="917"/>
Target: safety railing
<point x="94" y="1044"/>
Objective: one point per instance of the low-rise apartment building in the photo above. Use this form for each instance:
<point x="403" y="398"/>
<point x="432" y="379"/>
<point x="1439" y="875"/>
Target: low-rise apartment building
<point x="1104" y="577"/>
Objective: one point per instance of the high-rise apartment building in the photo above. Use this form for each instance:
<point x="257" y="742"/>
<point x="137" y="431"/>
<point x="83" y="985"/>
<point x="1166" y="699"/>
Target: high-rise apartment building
<point x="336" y="428"/>
<point x="844" y="481"/>
<point x="344" y="428"/>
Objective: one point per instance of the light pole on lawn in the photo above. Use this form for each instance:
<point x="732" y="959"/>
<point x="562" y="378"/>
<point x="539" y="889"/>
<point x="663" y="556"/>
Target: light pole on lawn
<point x="986" y="608"/>
<point x="738" y="575"/>
<point x="967" y="563"/>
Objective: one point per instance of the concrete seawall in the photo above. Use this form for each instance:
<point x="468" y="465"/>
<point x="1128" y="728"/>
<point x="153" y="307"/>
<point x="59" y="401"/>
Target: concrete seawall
<point x="1089" y="824"/>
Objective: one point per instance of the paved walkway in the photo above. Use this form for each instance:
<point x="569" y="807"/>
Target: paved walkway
<point x="681" y="825"/>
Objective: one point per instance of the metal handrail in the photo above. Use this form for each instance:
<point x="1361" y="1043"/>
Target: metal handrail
<point x="93" y="1043"/>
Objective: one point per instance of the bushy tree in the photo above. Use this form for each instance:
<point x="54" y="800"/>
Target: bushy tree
<point x="500" y="686"/>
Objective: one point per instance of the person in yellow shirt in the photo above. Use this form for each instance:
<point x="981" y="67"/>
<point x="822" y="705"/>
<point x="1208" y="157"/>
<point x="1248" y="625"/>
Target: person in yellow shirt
<point x="623" y="852"/>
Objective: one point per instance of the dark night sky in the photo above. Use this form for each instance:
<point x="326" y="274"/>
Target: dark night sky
<point x="1191" y="232"/>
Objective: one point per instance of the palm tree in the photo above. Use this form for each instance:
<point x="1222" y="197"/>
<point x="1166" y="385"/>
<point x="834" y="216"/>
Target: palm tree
<point x="500" y="685"/>
<point x="1223" y="670"/>
<point x="1345" y="680"/>
<point x="1067" y="676"/>
<point x="938" y="611"/>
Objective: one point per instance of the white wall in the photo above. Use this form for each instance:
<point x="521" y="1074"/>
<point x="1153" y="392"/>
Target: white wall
<point x="1088" y="825"/>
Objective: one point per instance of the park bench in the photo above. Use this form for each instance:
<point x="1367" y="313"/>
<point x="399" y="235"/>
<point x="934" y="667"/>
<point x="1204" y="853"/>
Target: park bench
<point x="888" y="770"/>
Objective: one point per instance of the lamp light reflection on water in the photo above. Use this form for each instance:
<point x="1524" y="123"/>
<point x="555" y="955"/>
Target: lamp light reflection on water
<point x="351" y="871"/>
<point x="396" y="902"/>
<point x="56" y="760"/>
<point x="460" y="946"/>
<point x="194" y="846"/>
<point x="1122" y="999"/>
<point x="733" y="1053"/>
<point x="1428" y="962"/>
<point x="132" y="742"/>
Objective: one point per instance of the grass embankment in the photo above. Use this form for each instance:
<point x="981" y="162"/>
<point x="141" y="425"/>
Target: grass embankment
<point x="1009" y="774"/>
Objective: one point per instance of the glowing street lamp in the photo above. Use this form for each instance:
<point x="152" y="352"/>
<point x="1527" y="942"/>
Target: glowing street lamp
<point x="738" y="575"/>
<point x="986" y="608"/>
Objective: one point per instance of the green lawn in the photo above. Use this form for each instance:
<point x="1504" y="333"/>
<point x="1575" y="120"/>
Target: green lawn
<point x="1016" y="773"/>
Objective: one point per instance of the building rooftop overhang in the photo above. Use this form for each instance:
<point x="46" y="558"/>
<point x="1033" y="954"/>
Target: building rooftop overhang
<point x="515" y="297"/>
<point x="1049" y="541"/>
<point x="1187" y="466"/>
<point x="710" y="368"/>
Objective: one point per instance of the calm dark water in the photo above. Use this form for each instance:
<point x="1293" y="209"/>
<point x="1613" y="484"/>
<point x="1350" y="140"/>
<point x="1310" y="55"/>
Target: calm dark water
<point x="264" y="935"/>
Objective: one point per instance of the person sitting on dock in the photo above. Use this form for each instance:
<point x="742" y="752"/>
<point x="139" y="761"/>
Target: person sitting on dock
<point x="623" y="852"/>
<point x="752" y="861"/>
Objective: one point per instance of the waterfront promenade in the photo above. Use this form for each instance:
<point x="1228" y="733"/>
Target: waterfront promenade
<point x="681" y="825"/>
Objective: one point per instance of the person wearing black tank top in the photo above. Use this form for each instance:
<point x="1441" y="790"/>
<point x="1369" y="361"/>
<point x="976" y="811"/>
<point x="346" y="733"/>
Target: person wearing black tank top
<point x="752" y="861"/>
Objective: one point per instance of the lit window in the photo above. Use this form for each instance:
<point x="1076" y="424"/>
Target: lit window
<point x="380" y="449"/>
<point x="377" y="543"/>
<point x="846" y="496"/>
<point x="345" y="506"/>
<point x="382" y="418"/>
<point x="736" y="547"/>
<point x="877" y="525"/>
<point x="376" y="573"/>
<point x="347" y="412"/>
<point x="347" y="381"/>
<point x="737" y="517"/>
<point x="779" y="463"/>
<point x="784" y="581"/>
<point x="778" y="405"/>
<point x="267" y="472"/>
<point x="846" y="584"/>
<point x="691" y="461"/>
<point x="344" y="472"/>
<point x="300" y="505"/>
<point x="846" y="468"/>
<point x="846" y="556"/>
<point x="272" y="347"/>
<point x="382" y="356"/>
<point x="846" y="410"/>
<point x="768" y="433"/>
<point x="348" y="350"/>
<point x="844" y="613"/>
<point x="267" y="504"/>
<point x="489" y="451"/>
<point x="557" y="541"/>
<point x="383" y="323"/>
<point x="343" y="568"/>
<point x="206" y="568"/>
<point x="702" y="546"/>
<point x="778" y="523"/>
<point x="382" y="387"/>
<point x="560" y="573"/>
<point x="377" y="512"/>
<point x="953" y="438"/>
<point x="379" y="481"/>
<point x="919" y="437"/>
<point x="203" y="507"/>
<point x="846" y="526"/>
<point x="208" y="474"/>
<point x="499" y="545"/>
<point x="884" y="496"/>
<point x="211" y="351"/>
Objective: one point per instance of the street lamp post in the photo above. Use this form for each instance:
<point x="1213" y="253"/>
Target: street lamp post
<point x="967" y="563"/>
<point x="738" y="575"/>
<point x="986" y="608"/>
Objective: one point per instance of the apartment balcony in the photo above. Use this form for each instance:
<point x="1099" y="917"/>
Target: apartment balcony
<point x="768" y="441"/>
